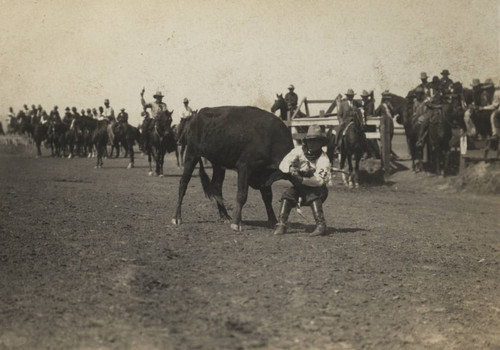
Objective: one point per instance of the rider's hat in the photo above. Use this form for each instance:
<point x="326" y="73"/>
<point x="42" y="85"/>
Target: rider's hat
<point x="350" y="92"/>
<point x="158" y="94"/>
<point x="423" y="75"/>
<point x="386" y="94"/>
<point x="314" y="132"/>
<point x="186" y="100"/>
<point x="106" y="100"/>
<point x="291" y="87"/>
<point x="445" y="72"/>
<point x="419" y="90"/>
<point x="487" y="83"/>
<point x="364" y="94"/>
<point x="476" y="82"/>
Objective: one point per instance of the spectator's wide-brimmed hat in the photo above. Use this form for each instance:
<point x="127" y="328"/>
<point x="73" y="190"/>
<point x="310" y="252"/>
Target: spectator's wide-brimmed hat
<point x="291" y="87"/>
<point x="186" y="100"/>
<point x="158" y="94"/>
<point x="364" y="94"/>
<point x="488" y="83"/>
<point x="423" y="75"/>
<point x="386" y="95"/>
<point x="314" y="132"/>
<point x="350" y="92"/>
<point x="445" y="72"/>
<point x="476" y="82"/>
<point x="106" y="100"/>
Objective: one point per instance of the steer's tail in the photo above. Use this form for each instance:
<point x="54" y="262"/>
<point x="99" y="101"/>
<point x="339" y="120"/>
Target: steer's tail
<point x="209" y="186"/>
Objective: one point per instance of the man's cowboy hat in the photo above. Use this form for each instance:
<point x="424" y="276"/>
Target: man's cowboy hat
<point x="314" y="132"/>
<point x="435" y="79"/>
<point x="475" y="82"/>
<point x="122" y="109"/>
<point x="364" y="94"/>
<point x="106" y="101"/>
<point x="186" y="100"/>
<point x="350" y="92"/>
<point x="386" y="94"/>
<point x="158" y="94"/>
<point x="291" y="87"/>
<point x="419" y="90"/>
<point x="423" y="75"/>
<point x="487" y="83"/>
<point x="445" y="72"/>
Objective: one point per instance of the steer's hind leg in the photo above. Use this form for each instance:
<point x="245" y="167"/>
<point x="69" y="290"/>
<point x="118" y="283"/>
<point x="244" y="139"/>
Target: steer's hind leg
<point x="189" y="165"/>
<point x="241" y="197"/>
<point x="218" y="176"/>
<point x="267" y="196"/>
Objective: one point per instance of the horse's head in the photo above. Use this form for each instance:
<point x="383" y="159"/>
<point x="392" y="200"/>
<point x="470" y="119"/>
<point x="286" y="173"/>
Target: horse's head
<point x="164" y="121"/>
<point x="279" y="103"/>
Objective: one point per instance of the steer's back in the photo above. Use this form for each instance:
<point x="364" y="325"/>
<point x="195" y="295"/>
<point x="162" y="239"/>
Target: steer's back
<point x="229" y="136"/>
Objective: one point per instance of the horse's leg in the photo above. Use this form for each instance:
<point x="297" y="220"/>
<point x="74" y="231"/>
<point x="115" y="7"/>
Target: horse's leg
<point x="161" y="158"/>
<point x="356" y="170"/>
<point x="241" y="196"/>
<point x="267" y="196"/>
<point x="183" y="151"/>
<point x="342" y="164"/>
<point x="177" y="156"/>
<point x="218" y="176"/>
<point x="350" y="181"/>
<point x="189" y="165"/>
<point x="149" y="162"/>
<point x="131" y="153"/>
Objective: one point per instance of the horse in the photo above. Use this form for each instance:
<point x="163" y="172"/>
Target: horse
<point x="39" y="134"/>
<point x="352" y="144"/>
<point x="100" y="140"/>
<point x="443" y="118"/>
<point x="74" y="136"/>
<point x="181" y="142"/>
<point x="56" y="136"/>
<point x="126" y="135"/>
<point x="158" y="139"/>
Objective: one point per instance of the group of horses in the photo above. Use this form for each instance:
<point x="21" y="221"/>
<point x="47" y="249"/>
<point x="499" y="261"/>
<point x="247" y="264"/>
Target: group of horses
<point x="89" y="137"/>
<point x="444" y="116"/>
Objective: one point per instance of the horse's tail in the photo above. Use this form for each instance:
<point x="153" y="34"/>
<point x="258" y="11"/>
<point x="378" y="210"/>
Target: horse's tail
<point x="208" y="186"/>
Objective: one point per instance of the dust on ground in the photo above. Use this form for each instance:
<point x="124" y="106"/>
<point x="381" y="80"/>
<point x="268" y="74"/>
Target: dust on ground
<point x="89" y="260"/>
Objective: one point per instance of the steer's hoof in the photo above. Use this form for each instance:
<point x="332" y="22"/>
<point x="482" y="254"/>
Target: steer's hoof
<point x="236" y="228"/>
<point x="176" y="221"/>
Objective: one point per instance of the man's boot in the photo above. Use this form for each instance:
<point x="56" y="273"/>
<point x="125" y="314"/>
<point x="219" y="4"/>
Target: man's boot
<point x="286" y="207"/>
<point x="319" y="217"/>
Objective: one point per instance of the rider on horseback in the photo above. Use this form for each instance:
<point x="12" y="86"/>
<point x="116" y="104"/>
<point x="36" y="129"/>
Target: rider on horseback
<point x="291" y="100"/>
<point x="309" y="170"/>
<point x="157" y="108"/>
<point x="347" y="111"/>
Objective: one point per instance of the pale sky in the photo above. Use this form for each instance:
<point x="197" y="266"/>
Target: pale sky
<point x="221" y="52"/>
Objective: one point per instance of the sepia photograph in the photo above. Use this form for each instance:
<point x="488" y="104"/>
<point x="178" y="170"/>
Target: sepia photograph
<point x="222" y="174"/>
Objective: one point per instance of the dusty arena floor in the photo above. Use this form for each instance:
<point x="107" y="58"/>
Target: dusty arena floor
<point x="89" y="260"/>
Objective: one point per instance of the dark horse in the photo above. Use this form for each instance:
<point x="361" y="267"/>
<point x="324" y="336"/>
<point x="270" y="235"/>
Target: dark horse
<point x="126" y="135"/>
<point x="352" y="144"/>
<point x="158" y="139"/>
<point x="100" y="140"/>
<point x="443" y="118"/>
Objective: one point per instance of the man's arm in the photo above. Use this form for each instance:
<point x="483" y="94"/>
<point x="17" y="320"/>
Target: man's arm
<point x="321" y="175"/>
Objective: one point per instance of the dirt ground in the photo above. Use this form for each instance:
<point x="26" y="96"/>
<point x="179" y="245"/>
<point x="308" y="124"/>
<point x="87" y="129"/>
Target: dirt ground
<point x="89" y="260"/>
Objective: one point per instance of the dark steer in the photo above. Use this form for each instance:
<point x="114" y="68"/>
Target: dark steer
<point x="246" y="139"/>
